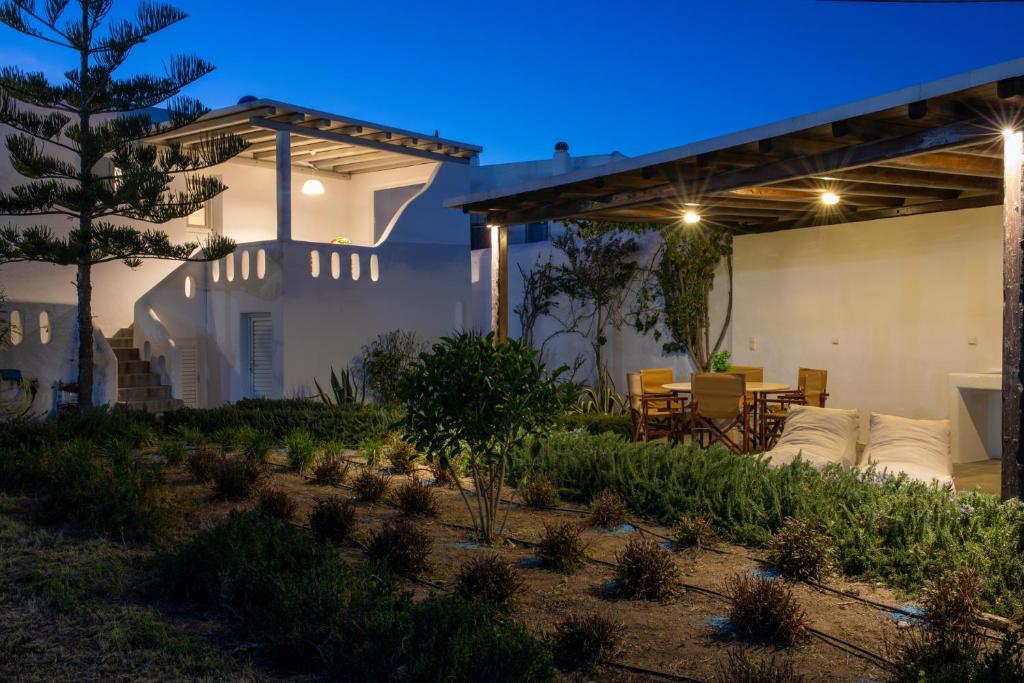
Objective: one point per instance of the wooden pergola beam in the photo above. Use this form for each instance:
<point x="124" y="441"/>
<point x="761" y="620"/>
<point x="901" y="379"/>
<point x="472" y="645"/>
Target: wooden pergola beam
<point x="845" y="158"/>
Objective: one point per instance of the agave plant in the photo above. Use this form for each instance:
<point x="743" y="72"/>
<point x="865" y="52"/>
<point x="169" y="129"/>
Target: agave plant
<point x="601" y="399"/>
<point x="344" y="389"/>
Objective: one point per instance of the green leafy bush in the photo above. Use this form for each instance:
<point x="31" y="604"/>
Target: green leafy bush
<point x="584" y="640"/>
<point x="401" y="545"/>
<point x="764" y="610"/>
<point x="740" y="667"/>
<point x="202" y="462"/>
<point x="400" y="454"/>
<point x="301" y="450"/>
<point x="332" y="519"/>
<point x="385" y="358"/>
<point x="329" y="470"/>
<point x="882" y="528"/>
<point x="348" y="424"/>
<point x="596" y="423"/>
<point x="413" y="498"/>
<point x="172" y="450"/>
<point x="801" y="550"/>
<point x="646" y="570"/>
<point x="562" y="547"/>
<point x="489" y="579"/>
<point x="254" y="444"/>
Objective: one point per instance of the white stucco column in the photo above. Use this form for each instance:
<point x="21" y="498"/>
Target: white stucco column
<point x="284" y="186"/>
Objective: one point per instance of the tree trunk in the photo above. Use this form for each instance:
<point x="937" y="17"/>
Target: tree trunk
<point x="85" y="334"/>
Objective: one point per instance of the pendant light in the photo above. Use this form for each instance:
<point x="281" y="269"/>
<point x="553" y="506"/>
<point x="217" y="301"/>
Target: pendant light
<point x="312" y="186"/>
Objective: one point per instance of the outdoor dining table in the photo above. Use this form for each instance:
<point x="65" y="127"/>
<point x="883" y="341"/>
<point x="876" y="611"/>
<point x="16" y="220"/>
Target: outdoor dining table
<point x="760" y="390"/>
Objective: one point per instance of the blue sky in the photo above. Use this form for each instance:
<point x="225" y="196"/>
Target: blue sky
<point x="515" y="77"/>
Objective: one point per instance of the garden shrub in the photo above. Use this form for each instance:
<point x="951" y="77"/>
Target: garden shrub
<point x="562" y="547"/>
<point x="349" y="424"/>
<point x="277" y="504"/>
<point x="646" y="570"/>
<point x="254" y="444"/>
<point x="607" y="510"/>
<point x="764" y="610"/>
<point x="300" y="450"/>
<point x="400" y="454"/>
<point x="694" y="531"/>
<point x="329" y="470"/>
<point x="371" y="449"/>
<point x="97" y="424"/>
<point x="444" y="470"/>
<point x="370" y="486"/>
<point x="307" y="607"/>
<point x="413" y="498"/>
<point x="596" y="423"/>
<point x="537" y="492"/>
<point x="401" y="545"/>
<point x="491" y="580"/>
<point x="582" y="641"/>
<point x="801" y="550"/>
<point x="172" y="450"/>
<point x="385" y="358"/>
<point x="202" y="462"/>
<point x="889" y="528"/>
<point x="332" y="519"/>
<point x="740" y="667"/>
<point x="237" y="478"/>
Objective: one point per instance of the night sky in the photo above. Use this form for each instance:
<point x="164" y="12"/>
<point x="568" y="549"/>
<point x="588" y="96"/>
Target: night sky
<point x="515" y="77"/>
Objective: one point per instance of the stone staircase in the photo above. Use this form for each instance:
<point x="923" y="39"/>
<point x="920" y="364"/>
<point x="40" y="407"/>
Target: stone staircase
<point x="138" y="387"/>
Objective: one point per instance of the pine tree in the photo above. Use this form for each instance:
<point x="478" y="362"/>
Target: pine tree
<point x="81" y="146"/>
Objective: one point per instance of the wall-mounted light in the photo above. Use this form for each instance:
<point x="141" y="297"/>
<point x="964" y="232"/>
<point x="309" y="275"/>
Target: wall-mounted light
<point x="829" y="198"/>
<point x="691" y="217"/>
<point x="1008" y="131"/>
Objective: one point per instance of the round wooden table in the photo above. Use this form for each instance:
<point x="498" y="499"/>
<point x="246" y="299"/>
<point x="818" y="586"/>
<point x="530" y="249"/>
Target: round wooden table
<point x="760" y="390"/>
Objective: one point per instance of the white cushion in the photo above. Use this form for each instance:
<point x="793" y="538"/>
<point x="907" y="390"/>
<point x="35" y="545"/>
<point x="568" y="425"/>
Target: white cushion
<point x="820" y="436"/>
<point x="918" y="448"/>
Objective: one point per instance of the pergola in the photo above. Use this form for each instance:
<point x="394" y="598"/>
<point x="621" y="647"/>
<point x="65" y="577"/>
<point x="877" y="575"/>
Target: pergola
<point x="941" y="146"/>
<point x="282" y="135"/>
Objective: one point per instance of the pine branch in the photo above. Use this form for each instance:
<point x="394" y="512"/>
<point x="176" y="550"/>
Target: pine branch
<point x="42" y="198"/>
<point x="28" y="159"/>
<point x="46" y="127"/>
<point x="121" y="243"/>
<point x="145" y="91"/>
<point x="12" y="13"/>
<point x="36" y="243"/>
<point x="34" y="89"/>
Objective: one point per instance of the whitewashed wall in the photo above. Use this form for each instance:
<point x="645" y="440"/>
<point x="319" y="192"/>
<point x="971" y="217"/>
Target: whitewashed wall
<point x="902" y="297"/>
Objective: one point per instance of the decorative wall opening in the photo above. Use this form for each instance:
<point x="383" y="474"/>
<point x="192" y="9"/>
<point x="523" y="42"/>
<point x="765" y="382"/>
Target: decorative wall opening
<point x="336" y="265"/>
<point x="45" y="334"/>
<point x="374" y="268"/>
<point x="17" y="327"/>
<point x="354" y="259"/>
<point x="261" y="263"/>
<point x="245" y="264"/>
<point x="215" y="271"/>
<point x="229" y="267"/>
<point x="314" y="263"/>
<point x="190" y="287"/>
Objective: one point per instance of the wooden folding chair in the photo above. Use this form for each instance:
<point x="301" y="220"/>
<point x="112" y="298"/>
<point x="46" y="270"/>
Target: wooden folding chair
<point x="812" y="385"/>
<point x="655" y="411"/>
<point x="719" y="407"/>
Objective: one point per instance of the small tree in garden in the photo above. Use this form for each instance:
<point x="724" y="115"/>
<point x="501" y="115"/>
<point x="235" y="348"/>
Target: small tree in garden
<point x="473" y="396"/>
<point x="384" y="360"/>
<point x="540" y="297"/>
<point x="81" y="147"/>
<point x="676" y="293"/>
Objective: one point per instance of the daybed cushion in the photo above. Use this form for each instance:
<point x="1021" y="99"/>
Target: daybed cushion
<point x="920" y="448"/>
<point x="820" y="436"/>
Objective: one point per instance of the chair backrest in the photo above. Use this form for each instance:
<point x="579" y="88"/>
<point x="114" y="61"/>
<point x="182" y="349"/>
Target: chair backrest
<point x="752" y="373"/>
<point x="814" y="384"/>
<point x="653" y="380"/>
<point x="718" y="395"/>
<point x="635" y="386"/>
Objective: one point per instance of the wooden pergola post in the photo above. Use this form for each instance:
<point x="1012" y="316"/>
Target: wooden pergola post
<point x="499" y="281"/>
<point x="1013" y="313"/>
<point x="283" y="150"/>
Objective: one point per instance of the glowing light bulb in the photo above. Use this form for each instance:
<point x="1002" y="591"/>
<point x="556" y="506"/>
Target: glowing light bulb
<point x="1008" y="131"/>
<point x="829" y="198"/>
<point x="691" y="217"/>
<point x="312" y="186"/>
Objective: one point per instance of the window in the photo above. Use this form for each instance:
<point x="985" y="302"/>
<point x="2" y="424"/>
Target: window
<point x="199" y="221"/>
<point x="261" y="263"/>
<point x="45" y="334"/>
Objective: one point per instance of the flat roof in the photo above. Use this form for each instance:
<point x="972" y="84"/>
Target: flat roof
<point x="330" y="142"/>
<point x="934" y="145"/>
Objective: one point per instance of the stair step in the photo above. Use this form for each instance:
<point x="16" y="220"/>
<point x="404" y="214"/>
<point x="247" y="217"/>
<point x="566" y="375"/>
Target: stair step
<point x="120" y="342"/>
<point x="132" y="367"/>
<point x="141" y="379"/>
<point x="125" y="354"/>
<point x="143" y="393"/>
